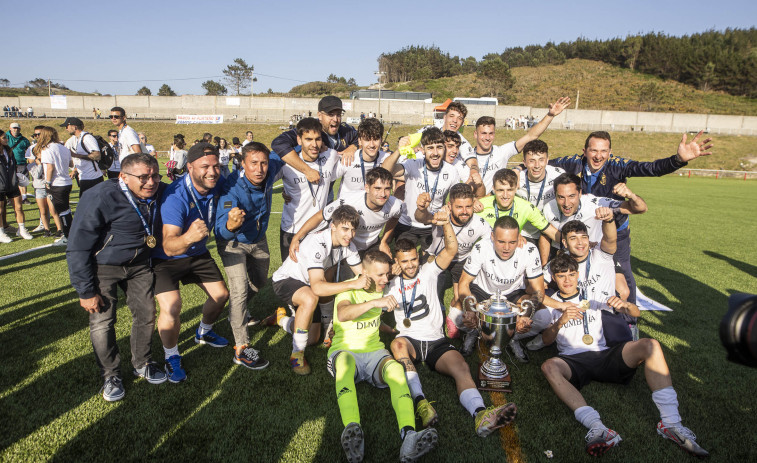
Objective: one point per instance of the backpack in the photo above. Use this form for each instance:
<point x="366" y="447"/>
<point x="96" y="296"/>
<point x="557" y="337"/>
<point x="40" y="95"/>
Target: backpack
<point x="107" y="154"/>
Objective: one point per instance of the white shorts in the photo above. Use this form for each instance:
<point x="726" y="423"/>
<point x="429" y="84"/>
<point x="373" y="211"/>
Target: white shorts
<point x="366" y="365"/>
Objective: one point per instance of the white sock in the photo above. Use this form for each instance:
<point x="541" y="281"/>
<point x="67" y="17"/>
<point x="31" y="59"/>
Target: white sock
<point x="287" y="324"/>
<point x="299" y="340"/>
<point x="21" y="226"/>
<point x="472" y="400"/>
<point x="589" y="417"/>
<point x="172" y="351"/>
<point x="456" y="315"/>
<point x="414" y="383"/>
<point x="204" y="328"/>
<point x="666" y="400"/>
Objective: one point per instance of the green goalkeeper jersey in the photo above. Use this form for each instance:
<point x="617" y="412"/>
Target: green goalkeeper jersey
<point x="362" y="333"/>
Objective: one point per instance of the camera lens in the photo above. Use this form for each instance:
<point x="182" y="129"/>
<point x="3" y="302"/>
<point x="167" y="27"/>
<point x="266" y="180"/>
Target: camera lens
<point x="738" y="329"/>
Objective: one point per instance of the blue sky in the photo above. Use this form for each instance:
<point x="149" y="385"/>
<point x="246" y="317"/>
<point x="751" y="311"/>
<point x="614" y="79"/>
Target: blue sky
<point x="295" y="41"/>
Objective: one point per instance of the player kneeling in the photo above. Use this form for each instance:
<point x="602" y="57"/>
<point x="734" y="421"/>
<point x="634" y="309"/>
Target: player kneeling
<point x="584" y="357"/>
<point x="357" y="354"/>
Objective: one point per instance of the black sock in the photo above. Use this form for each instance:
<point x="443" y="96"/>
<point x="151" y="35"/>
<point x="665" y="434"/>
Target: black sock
<point x="404" y="431"/>
<point x="418" y="399"/>
<point x="479" y="409"/>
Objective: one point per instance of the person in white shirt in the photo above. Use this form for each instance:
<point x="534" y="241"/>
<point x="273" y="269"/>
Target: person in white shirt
<point x="305" y="198"/>
<point x="427" y="181"/>
<point x="490" y="158"/>
<point x="56" y="160"/>
<point x="420" y="321"/>
<point x="248" y="138"/>
<point x="570" y="204"/>
<point x="583" y="357"/>
<point x="369" y="133"/>
<point x="468" y="229"/>
<point x="85" y="152"/>
<point x="150" y="149"/>
<point x="301" y="282"/>
<point x="498" y="265"/>
<point x="225" y="153"/>
<point x="452" y="143"/>
<point x="128" y="140"/>
<point x="536" y="182"/>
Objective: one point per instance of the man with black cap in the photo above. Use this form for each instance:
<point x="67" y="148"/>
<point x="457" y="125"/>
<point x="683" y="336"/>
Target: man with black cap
<point x="336" y="135"/>
<point x="85" y="152"/>
<point x="109" y="246"/>
<point x="187" y="212"/>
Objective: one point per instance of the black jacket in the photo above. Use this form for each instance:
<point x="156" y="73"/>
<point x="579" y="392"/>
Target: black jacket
<point x="106" y="231"/>
<point x="287" y="141"/>
<point x="8" y="178"/>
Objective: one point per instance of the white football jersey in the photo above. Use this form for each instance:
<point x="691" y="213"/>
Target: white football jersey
<point x="570" y="336"/>
<point x="463" y="171"/>
<point x="466" y="149"/>
<point x="598" y="284"/>
<point x="489" y="164"/>
<point x="492" y="273"/>
<point x="427" y="314"/>
<point x="371" y="222"/>
<point x="586" y="213"/>
<point x="307" y="198"/>
<point x="353" y="175"/>
<point x="538" y="194"/>
<point x="316" y="252"/>
<point x="417" y="176"/>
<point x="467" y="235"/>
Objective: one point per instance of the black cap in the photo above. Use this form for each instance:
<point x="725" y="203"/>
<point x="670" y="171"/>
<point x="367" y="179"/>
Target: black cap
<point x="329" y="103"/>
<point x="235" y="141"/>
<point x="75" y="121"/>
<point x="201" y="149"/>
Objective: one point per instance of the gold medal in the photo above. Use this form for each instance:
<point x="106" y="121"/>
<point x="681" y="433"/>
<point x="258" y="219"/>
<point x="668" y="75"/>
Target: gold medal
<point x="151" y="241"/>
<point x="584" y="305"/>
<point x="314" y="202"/>
<point x="587" y="339"/>
<point x="406" y="322"/>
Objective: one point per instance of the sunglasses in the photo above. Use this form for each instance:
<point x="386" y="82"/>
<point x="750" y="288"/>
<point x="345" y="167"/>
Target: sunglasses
<point x="35" y="135"/>
<point x="114" y="117"/>
<point x="144" y="178"/>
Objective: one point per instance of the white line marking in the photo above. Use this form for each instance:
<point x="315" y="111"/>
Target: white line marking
<point x="21" y="253"/>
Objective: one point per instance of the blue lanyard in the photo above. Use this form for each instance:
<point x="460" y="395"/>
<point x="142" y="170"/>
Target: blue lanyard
<point x="209" y="222"/>
<point x="362" y="164"/>
<point x="310" y="185"/>
<point x="408" y="310"/>
<point x="584" y="290"/>
<point x="541" y="189"/>
<point x="436" y="183"/>
<point x="125" y="190"/>
<point x="496" y="208"/>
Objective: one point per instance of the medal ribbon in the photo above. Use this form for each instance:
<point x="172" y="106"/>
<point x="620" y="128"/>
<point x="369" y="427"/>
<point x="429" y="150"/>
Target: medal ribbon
<point x="541" y="189"/>
<point x="584" y="292"/>
<point x="436" y="183"/>
<point x="209" y="222"/>
<point x="125" y="190"/>
<point x="408" y="310"/>
<point x="496" y="208"/>
<point x="310" y="185"/>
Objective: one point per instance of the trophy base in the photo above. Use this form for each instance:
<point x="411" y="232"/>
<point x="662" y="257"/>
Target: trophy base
<point x="486" y="383"/>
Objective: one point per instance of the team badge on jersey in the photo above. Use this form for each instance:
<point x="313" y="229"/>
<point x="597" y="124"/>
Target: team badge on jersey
<point x="471" y="232"/>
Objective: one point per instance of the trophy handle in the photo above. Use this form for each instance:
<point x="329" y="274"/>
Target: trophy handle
<point x="470" y="303"/>
<point x="526" y="308"/>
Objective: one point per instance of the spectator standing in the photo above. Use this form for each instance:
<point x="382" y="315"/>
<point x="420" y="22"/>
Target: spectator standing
<point x="9" y="190"/>
<point x="85" y="153"/>
<point x="19" y="144"/>
<point x="128" y="140"/>
<point x="56" y="160"/>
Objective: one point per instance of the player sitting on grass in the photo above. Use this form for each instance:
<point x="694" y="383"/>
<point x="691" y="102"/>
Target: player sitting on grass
<point x="584" y="357"/>
<point x="302" y="282"/>
<point x="421" y="333"/>
<point x="357" y="354"/>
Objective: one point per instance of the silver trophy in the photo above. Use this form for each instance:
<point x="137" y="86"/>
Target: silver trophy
<point x="496" y="321"/>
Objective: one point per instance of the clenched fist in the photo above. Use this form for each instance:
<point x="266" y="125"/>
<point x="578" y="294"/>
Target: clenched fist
<point x="235" y="220"/>
<point x="197" y="231"/>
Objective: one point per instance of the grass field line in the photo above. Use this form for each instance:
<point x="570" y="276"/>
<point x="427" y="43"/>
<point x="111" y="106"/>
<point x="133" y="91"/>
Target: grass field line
<point x="199" y="408"/>
<point x="26" y="251"/>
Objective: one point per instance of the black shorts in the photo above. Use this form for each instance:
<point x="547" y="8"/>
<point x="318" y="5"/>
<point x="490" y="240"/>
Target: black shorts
<point x="418" y="236"/>
<point x="60" y="198"/>
<point x="482" y="295"/>
<point x="285" y="289"/>
<point x="285" y="240"/>
<point x="8" y="195"/>
<point x="429" y="351"/>
<point x="605" y="366"/>
<point x="456" y="270"/>
<point x="187" y="270"/>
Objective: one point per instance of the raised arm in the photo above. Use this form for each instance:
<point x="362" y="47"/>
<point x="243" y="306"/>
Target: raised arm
<point x="346" y="311"/>
<point x="609" y="241"/>
<point x="445" y="257"/>
<point x="634" y="204"/>
<point x="306" y="228"/>
<point x="323" y="288"/>
<point x="175" y="243"/>
<point x="535" y="132"/>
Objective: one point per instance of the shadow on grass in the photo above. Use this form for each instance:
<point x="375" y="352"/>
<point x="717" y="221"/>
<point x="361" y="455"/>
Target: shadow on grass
<point x="53" y="258"/>
<point x="749" y="269"/>
<point x="20" y="304"/>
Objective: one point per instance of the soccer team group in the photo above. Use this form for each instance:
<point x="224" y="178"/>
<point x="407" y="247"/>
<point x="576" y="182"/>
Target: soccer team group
<point x="403" y="227"/>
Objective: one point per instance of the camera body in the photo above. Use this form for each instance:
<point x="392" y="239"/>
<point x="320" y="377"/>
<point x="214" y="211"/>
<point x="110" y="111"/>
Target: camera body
<point x="738" y="329"/>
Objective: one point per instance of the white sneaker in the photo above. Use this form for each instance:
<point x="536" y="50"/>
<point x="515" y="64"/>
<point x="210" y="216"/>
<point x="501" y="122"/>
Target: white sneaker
<point x="536" y="343"/>
<point x="24" y="233"/>
<point x="417" y="444"/>
<point x="5" y="238"/>
<point x="62" y="241"/>
<point x="39" y="228"/>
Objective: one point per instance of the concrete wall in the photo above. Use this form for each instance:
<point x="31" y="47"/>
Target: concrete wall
<point x="279" y="110"/>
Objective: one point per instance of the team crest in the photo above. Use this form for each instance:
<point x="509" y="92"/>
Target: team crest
<point x="470" y="232"/>
<point x="317" y="255"/>
<point x="191" y="205"/>
<point x="386" y="215"/>
<point x="445" y="176"/>
<point x="603" y="180"/>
